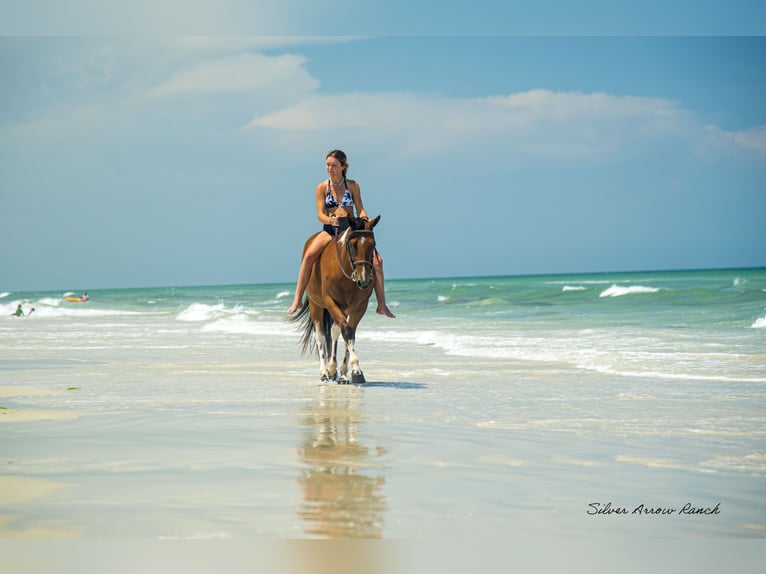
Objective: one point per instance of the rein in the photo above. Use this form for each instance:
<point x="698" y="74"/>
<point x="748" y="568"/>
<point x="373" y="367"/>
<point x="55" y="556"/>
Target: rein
<point x="353" y="276"/>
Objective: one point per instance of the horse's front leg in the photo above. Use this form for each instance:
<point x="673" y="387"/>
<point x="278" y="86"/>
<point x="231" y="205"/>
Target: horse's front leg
<point x="343" y="371"/>
<point x="351" y="360"/>
<point x="339" y="327"/>
<point x="344" y="365"/>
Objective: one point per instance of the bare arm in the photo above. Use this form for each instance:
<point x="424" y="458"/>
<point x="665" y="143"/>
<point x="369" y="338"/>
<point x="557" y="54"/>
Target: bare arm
<point x="322" y="215"/>
<point x="356" y="193"/>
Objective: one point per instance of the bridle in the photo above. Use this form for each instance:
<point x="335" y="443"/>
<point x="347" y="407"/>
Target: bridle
<point x="351" y="233"/>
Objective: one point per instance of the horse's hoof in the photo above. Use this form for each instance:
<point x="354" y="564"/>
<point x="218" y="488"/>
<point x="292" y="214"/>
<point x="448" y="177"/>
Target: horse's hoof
<point x="342" y="380"/>
<point x="324" y="379"/>
<point x="358" y="378"/>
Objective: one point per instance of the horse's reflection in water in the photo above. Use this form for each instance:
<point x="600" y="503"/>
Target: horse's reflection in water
<point x="342" y="480"/>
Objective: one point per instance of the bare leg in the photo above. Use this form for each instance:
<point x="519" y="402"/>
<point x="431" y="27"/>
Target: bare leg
<point x="309" y="258"/>
<point x="380" y="292"/>
<point x="303" y="279"/>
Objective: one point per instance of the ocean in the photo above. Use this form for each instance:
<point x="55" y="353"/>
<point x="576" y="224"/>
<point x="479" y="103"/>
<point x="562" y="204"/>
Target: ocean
<point x="696" y="325"/>
<point x="561" y="405"/>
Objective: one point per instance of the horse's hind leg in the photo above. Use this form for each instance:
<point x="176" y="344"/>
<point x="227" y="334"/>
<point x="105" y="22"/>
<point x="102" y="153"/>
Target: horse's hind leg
<point x="340" y="374"/>
<point x="333" y="363"/>
<point x="321" y="343"/>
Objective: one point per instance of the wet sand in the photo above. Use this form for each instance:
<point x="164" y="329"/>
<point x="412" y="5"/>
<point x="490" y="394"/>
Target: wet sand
<point x="433" y="450"/>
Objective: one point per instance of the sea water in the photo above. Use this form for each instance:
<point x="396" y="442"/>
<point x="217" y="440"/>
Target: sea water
<point x="493" y="404"/>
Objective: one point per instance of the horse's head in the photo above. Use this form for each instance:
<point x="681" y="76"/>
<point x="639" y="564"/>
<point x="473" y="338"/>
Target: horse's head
<point x="360" y="247"/>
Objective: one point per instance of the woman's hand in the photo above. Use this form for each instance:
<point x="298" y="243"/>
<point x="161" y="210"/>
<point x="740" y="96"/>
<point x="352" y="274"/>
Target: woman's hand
<point x="339" y="213"/>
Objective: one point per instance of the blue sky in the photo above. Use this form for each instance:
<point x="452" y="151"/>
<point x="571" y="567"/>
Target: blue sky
<point x="172" y="159"/>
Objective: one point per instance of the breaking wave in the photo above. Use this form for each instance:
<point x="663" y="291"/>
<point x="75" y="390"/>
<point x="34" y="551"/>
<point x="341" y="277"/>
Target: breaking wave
<point x="619" y="291"/>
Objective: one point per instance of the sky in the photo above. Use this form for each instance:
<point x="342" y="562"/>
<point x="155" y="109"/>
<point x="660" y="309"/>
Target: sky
<point x="508" y="145"/>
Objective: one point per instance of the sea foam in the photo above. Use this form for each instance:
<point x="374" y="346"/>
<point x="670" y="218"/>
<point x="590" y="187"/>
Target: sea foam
<point x="201" y="312"/>
<point x="618" y="291"/>
<point x="52" y="310"/>
<point x="760" y="323"/>
<point x="241" y="324"/>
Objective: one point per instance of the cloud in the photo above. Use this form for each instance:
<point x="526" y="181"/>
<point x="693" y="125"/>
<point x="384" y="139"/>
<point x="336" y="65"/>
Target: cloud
<point x="537" y="123"/>
<point x="754" y="138"/>
<point x="113" y="86"/>
<point x="170" y="17"/>
<point x="751" y="139"/>
<point x="569" y="105"/>
<point x="241" y="74"/>
<point x="345" y="111"/>
<point x="191" y="82"/>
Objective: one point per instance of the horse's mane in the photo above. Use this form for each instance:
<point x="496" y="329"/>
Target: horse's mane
<point x="356" y="223"/>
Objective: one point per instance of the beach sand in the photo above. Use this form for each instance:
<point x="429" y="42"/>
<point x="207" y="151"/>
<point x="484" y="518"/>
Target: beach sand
<point x="16" y="491"/>
<point x="430" y="447"/>
<point x="31" y="415"/>
<point x="238" y="442"/>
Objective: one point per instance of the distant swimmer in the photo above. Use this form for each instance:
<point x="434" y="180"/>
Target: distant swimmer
<point x="85" y="297"/>
<point x="19" y="312"/>
<point x="32" y="310"/>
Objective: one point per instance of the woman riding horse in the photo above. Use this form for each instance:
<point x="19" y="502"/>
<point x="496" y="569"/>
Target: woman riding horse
<point x="336" y="200"/>
<point x="338" y="291"/>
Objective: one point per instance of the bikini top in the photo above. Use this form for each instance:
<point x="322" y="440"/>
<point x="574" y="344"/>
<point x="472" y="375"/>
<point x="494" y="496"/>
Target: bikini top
<point x="346" y="201"/>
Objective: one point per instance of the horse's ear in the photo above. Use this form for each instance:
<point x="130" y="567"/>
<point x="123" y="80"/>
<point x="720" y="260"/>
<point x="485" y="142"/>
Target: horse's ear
<point x="373" y="222"/>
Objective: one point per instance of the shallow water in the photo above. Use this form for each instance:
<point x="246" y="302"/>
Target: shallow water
<point x="494" y="407"/>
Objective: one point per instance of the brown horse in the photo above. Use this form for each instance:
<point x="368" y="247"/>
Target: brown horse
<point x="338" y="291"/>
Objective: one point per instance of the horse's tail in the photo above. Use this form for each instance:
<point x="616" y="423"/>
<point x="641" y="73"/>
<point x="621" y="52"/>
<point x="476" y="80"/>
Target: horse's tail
<point x="326" y="328"/>
<point x="308" y="345"/>
<point x="308" y="326"/>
